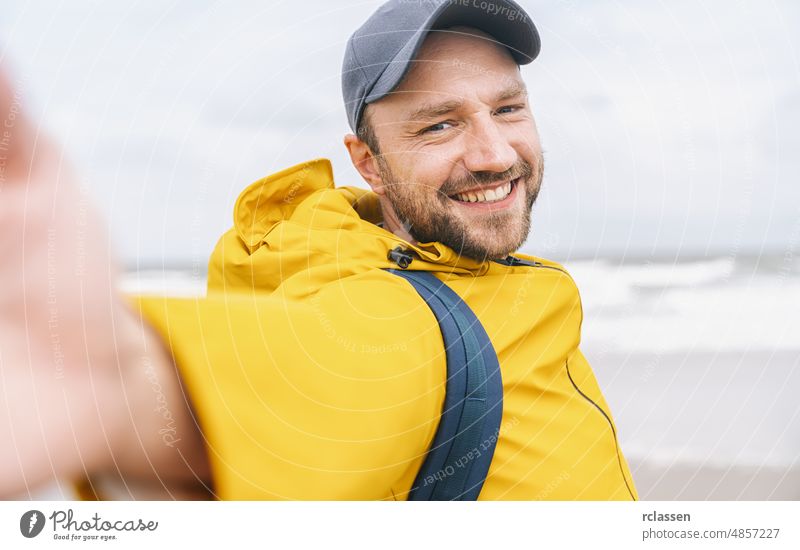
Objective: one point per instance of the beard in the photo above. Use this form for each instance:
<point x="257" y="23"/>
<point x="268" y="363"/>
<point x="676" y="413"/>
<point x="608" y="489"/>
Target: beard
<point x="435" y="217"/>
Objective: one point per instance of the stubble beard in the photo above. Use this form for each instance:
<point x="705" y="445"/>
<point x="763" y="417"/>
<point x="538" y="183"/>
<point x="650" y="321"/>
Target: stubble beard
<point x="434" y="218"/>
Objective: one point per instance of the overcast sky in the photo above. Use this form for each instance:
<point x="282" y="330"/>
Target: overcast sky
<point x="669" y="128"/>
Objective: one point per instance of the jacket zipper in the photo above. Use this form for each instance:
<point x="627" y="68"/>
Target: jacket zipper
<point x="514" y="261"/>
<point x="610" y="425"/>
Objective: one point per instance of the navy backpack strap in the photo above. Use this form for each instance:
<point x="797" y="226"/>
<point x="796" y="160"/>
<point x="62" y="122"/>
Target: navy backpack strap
<point x="461" y="453"/>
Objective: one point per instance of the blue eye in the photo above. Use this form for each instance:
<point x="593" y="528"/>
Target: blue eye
<point x="508" y="109"/>
<point x="438" y="127"/>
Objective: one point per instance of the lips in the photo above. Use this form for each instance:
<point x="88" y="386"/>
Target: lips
<point x="487" y="195"/>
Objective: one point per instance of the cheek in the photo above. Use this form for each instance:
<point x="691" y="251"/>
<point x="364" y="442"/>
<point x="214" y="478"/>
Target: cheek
<point x="429" y="171"/>
<point x="525" y="139"/>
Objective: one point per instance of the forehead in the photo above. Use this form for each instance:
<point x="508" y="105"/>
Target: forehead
<point x="458" y="64"/>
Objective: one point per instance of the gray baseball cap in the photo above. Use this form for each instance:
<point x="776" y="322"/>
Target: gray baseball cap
<point x="380" y="52"/>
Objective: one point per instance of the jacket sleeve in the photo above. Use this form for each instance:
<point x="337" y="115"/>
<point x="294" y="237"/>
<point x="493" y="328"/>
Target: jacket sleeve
<point x="305" y="399"/>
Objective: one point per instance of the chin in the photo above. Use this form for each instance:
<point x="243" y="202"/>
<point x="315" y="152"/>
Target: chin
<point x="491" y="251"/>
<point x="502" y="248"/>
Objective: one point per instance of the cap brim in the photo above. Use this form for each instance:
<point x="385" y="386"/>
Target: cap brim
<point x="519" y="36"/>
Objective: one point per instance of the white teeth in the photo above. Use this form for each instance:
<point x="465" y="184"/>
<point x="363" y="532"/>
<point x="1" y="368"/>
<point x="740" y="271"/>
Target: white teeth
<point x="484" y="195"/>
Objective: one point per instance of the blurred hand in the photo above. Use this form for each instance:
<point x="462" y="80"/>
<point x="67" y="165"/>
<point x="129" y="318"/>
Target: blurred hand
<point x="72" y="355"/>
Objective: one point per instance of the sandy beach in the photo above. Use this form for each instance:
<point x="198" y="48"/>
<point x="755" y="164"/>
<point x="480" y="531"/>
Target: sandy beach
<point x="707" y="425"/>
<point x="685" y="481"/>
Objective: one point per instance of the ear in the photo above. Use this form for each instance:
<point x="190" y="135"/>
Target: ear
<point x="365" y="162"/>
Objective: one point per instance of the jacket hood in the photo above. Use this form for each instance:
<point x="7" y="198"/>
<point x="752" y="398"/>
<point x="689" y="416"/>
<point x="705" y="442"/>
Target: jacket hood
<point x="297" y="220"/>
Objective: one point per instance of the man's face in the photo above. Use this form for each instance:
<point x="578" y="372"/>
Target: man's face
<point x="460" y="160"/>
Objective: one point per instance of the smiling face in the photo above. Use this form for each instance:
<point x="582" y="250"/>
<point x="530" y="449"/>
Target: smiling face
<point x="458" y="158"/>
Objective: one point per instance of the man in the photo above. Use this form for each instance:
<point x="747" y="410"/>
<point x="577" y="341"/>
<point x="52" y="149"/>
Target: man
<point x="310" y="370"/>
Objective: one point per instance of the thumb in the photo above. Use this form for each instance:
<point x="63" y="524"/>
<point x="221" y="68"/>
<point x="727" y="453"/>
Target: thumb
<point x="16" y="134"/>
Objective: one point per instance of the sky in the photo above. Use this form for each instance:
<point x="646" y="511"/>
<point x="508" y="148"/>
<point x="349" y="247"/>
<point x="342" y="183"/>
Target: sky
<point x="670" y="129"/>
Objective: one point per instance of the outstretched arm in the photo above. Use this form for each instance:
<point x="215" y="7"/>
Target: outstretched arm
<point x="85" y="386"/>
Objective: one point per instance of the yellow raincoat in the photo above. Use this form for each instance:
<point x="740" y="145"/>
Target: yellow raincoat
<point x="316" y="374"/>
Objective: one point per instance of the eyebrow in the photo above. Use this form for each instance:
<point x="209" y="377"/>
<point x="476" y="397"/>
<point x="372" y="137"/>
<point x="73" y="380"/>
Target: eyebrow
<point x="517" y="89"/>
<point x="435" y="110"/>
<point x="429" y="111"/>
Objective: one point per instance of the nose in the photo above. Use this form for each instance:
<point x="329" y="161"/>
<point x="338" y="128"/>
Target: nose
<point x="487" y="148"/>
